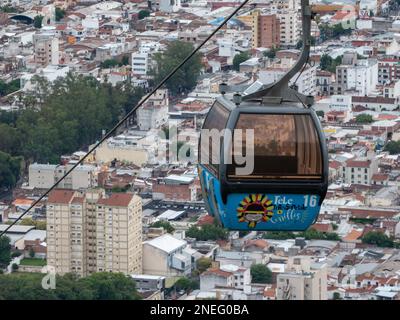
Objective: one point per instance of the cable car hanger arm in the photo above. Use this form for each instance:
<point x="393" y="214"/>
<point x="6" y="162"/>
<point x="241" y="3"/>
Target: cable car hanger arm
<point x="279" y="91"/>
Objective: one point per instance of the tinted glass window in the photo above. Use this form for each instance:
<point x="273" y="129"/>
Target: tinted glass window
<point x="216" y="119"/>
<point x="285" y="147"/>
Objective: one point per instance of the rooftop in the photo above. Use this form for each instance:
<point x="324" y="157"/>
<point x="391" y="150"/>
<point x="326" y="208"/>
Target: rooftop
<point x="117" y="200"/>
<point x="166" y="243"/>
<point x="60" y="196"/>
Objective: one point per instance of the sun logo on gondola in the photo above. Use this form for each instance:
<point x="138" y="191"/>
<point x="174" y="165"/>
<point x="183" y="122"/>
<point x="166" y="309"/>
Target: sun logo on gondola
<point x="255" y="208"/>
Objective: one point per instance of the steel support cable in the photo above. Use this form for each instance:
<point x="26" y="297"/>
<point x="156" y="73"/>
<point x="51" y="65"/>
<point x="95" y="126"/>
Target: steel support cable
<point x="129" y="114"/>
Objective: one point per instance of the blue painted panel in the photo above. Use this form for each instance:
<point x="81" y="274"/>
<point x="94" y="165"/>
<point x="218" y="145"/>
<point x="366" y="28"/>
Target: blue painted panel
<point x="261" y="211"/>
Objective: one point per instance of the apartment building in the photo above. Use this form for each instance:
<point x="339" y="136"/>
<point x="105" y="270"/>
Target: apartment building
<point x="359" y="171"/>
<point x="155" y="112"/>
<point x="93" y="232"/>
<point x="265" y="30"/>
<point x="356" y="75"/>
<point x="43" y="176"/>
<point x="388" y="70"/>
<point x="302" y="280"/>
<point x="290" y="27"/>
<point x="46" y="49"/>
<point x="140" y="63"/>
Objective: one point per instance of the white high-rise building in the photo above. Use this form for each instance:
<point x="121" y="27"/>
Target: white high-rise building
<point x="359" y="75"/>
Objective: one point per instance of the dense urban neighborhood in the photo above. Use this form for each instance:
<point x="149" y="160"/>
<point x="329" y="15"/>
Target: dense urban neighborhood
<point x="132" y="215"/>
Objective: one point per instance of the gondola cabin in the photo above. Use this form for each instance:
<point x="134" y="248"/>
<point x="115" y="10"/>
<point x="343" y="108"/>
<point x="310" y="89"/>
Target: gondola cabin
<point x="262" y="167"/>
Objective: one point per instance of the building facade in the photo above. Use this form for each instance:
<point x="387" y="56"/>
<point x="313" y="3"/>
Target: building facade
<point x="265" y="30"/>
<point x="43" y="176"/>
<point x="91" y="232"/>
<point x="302" y="281"/>
<point x="46" y="49"/>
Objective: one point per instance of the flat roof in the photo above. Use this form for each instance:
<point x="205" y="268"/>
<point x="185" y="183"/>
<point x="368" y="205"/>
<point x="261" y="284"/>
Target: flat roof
<point x="166" y="243"/>
<point x="147" y="277"/>
<point x="183" y="179"/>
<point x="170" y="214"/>
<point x="16" y="228"/>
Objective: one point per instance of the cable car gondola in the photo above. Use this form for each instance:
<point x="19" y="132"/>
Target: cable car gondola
<point x="288" y="179"/>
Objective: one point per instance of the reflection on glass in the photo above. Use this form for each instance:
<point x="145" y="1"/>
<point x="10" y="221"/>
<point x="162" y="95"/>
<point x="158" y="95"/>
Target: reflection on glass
<point x="216" y="119"/>
<point x="285" y="147"/>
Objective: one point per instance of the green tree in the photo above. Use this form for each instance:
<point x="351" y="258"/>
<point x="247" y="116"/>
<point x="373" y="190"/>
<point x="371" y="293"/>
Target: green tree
<point x="260" y="273"/>
<point x="299" y="43"/>
<point x="393" y="147"/>
<point x="312" y="234"/>
<point x="329" y="64"/>
<point x="186" y="284"/>
<point x="143" y="14"/>
<point x="14" y="267"/>
<point x="68" y="106"/>
<point x="320" y="113"/>
<point x="10" y="140"/>
<point x="185" y="79"/>
<point x="271" y="53"/>
<point x="336" y="296"/>
<point x="31" y="253"/>
<point x="163" y="224"/>
<point x="111" y="286"/>
<point x="333" y="32"/>
<point x="10" y="169"/>
<point x="109" y="63"/>
<point x="124" y="61"/>
<point x="97" y="286"/>
<point x="5" y="252"/>
<point x="15" y="254"/>
<point x="377" y="238"/>
<point x="207" y="232"/>
<point x="279" y="235"/>
<point x="37" y="21"/>
<point x="364" y="118"/>
<point x="202" y="264"/>
<point x="60" y="13"/>
<point x="8" y="9"/>
<point x="239" y="58"/>
<point x="9" y="87"/>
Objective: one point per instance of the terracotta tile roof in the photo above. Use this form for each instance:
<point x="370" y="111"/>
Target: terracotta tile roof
<point x="61" y="196"/>
<point x="353" y="235"/>
<point x="117" y="200"/>
<point x="373" y="229"/>
<point x="360" y="290"/>
<point x="22" y="202"/>
<point x="380" y="177"/>
<point x="78" y="200"/>
<point x="321" y="227"/>
<point x="334" y="164"/>
<point x="324" y="73"/>
<point x="270" y="292"/>
<point x="260" y="243"/>
<point x="387" y="117"/>
<point x="363" y="99"/>
<point x="374" y="213"/>
<point x="61" y="27"/>
<point x="340" y="15"/>
<point x="218" y="272"/>
<point x="207" y="219"/>
<point x="358" y="163"/>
